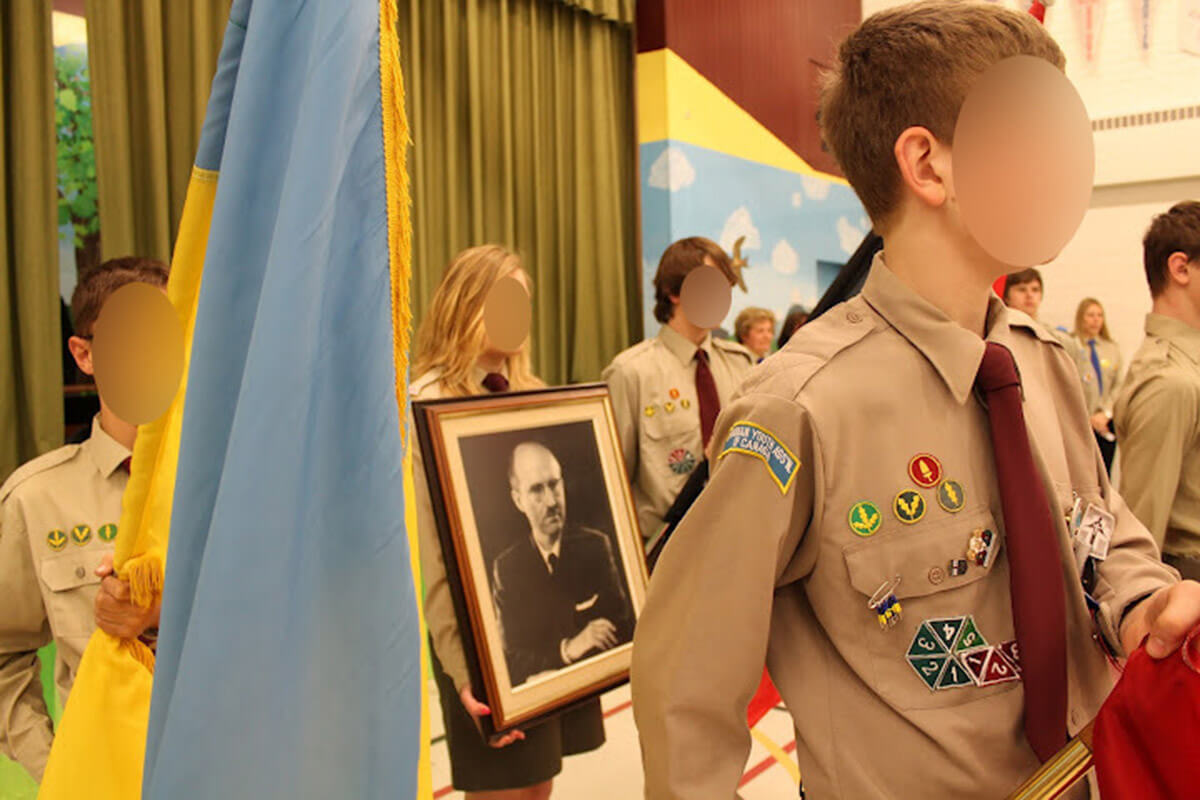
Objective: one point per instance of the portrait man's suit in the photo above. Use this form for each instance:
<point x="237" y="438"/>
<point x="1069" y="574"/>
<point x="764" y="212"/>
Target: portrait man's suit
<point x="539" y="610"/>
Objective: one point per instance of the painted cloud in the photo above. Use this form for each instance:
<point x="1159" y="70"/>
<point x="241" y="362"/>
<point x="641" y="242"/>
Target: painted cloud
<point x="740" y="224"/>
<point x="815" y="188"/>
<point x="849" y="235"/>
<point x="671" y="171"/>
<point x="784" y="259"/>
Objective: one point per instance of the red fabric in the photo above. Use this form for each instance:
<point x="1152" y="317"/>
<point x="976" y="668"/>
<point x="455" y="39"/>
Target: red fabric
<point x="998" y="286"/>
<point x="494" y="382"/>
<point x="1038" y="10"/>
<point x="1035" y="566"/>
<point x="1147" y="736"/>
<point x="766" y="698"/>
<point x="706" y="392"/>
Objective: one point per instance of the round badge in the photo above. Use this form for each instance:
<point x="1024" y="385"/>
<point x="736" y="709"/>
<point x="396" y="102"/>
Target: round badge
<point x="674" y="394"/>
<point x="685" y="403"/>
<point x="681" y="461"/>
<point x="649" y="412"/>
<point x="909" y="506"/>
<point x="951" y="496"/>
<point x="57" y="540"/>
<point x="936" y="575"/>
<point x="865" y="518"/>
<point x="107" y="532"/>
<point x="925" y="470"/>
<point x="669" y="407"/>
<point x="81" y="534"/>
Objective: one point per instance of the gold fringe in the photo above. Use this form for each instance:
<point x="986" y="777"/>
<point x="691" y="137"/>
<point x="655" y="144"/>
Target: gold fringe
<point x="139" y="652"/>
<point x="145" y="576"/>
<point x="395" y="149"/>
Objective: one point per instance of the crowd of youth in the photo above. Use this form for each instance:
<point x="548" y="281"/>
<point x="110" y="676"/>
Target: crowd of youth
<point x="765" y="562"/>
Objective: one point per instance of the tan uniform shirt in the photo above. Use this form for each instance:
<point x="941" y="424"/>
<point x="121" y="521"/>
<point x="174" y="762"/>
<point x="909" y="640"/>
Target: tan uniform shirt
<point x="1110" y="377"/>
<point x="1158" y="424"/>
<point x="775" y="560"/>
<point x="653" y="386"/>
<point x="58" y="517"/>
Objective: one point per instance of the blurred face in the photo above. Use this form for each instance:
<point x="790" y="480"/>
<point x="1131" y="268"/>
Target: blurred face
<point x="758" y="338"/>
<point x="1093" y="321"/>
<point x="537" y="489"/>
<point x="498" y="349"/>
<point x="1025" y="297"/>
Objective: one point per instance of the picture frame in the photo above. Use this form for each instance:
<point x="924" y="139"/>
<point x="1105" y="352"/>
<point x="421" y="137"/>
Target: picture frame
<point x="541" y="545"/>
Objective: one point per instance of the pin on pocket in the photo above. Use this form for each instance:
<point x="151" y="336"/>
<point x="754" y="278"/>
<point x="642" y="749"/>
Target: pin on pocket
<point x="886" y="605"/>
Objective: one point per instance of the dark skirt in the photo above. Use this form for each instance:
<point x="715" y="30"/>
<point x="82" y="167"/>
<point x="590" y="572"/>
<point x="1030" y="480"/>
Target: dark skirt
<point x="476" y="767"/>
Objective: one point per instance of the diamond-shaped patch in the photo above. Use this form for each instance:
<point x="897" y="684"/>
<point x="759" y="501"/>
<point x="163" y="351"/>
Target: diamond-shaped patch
<point x="969" y="638"/>
<point x="947" y="629"/>
<point x="924" y="643"/>
<point x="954" y="676"/>
<point x="929" y="668"/>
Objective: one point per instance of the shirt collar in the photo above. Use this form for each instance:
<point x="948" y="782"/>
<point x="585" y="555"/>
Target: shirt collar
<point x="555" y="551"/>
<point x="106" y="452"/>
<point x="682" y="347"/>
<point x="1177" y="332"/>
<point x="954" y="352"/>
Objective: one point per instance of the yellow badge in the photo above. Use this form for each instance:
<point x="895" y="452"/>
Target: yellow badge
<point x="668" y="406"/>
<point x="864" y="518"/>
<point x="951" y="496"/>
<point x="56" y="539"/>
<point x="909" y="506"/>
<point x="649" y="411"/>
<point x="107" y="532"/>
<point x="81" y="534"/>
<point x="685" y="403"/>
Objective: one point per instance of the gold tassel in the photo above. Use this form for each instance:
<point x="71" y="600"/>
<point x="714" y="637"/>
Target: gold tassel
<point x="145" y="576"/>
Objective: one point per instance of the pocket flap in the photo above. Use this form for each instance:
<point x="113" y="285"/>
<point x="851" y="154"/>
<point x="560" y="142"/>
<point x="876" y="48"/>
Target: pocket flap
<point x="669" y="426"/>
<point x="70" y="570"/>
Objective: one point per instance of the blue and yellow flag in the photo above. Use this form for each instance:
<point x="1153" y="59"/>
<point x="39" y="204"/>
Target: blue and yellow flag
<point x="289" y="662"/>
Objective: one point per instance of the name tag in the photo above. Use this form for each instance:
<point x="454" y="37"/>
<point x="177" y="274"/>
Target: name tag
<point x="755" y="440"/>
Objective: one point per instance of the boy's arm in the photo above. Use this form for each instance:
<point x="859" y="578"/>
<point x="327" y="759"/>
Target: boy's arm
<point x="701" y="641"/>
<point x="25" y="728"/>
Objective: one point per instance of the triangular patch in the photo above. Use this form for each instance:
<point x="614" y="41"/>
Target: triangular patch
<point x="969" y="638"/>
<point x="929" y="669"/>
<point x="947" y="630"/>
<point x="975" y="661"/>
<point x="954" y="676"/>
<point x="997" y="669"/>
<point x="925" y="643"/>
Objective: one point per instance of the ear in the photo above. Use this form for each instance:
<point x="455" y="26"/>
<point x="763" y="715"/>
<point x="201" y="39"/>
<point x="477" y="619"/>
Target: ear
<point x="1177" y="268"/>
<point x="81" y="351"/>
<point x="924" y="165"/>
<point x="516" y="498"/>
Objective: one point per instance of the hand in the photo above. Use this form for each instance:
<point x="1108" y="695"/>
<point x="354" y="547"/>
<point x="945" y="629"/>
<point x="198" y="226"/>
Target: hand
<point x="477" y="709"/>
<point x="1100" y="422"/>
<point x="116" y="613"/>
<point x="1167" y="616"/>
<point x="599" y="634"/>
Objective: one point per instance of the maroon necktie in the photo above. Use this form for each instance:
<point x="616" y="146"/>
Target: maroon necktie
<point x="494" y="382"/>
<point x="127" y="464"/>
<point x="706" y="393"/>
<point x="1035" y="564"/>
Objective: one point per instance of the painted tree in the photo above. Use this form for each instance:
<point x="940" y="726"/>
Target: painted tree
<point x="77" y="194"/>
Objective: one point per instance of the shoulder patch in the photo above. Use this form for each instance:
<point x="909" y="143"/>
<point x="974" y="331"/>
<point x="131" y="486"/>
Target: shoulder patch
<point x="755" y="440"/>
<point x="37" y="466"/>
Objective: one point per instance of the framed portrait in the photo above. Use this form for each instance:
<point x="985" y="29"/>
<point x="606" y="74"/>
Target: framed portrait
<point x="540" y="540"/>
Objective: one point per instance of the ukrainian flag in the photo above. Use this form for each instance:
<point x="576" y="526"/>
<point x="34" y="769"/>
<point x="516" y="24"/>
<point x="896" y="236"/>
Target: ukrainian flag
<point x="290" y="659"/>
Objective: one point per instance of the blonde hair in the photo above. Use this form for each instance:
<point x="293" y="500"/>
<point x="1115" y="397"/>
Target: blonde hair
<point x="1084" y="305"/>
<point x="912" y="66"/>
<point x="747" y="318"/>
<point x="452" y="335"/>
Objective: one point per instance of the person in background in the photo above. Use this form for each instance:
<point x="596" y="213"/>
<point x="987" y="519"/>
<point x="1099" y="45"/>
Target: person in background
<point x="1101" y="368"/>
<point x="455" y="358"/>
<point x="796" y="316"/>
<point x="1158" y="411"/>
<point x="58" y="522"/>
<point x="755" y="328"/>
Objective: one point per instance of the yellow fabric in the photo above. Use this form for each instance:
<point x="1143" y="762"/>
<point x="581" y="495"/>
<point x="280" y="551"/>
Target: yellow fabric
<point x="100" y="743"/>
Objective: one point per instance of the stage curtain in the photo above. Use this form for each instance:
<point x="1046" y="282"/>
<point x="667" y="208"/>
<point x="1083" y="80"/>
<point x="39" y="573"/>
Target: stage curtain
<point x="523" y="135"/>
<point x="151" y="64"/>
<point x="613" y="10"/>
<point x="31" y="403"/>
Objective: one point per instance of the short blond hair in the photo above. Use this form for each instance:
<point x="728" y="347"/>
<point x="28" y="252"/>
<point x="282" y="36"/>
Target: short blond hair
<point x="912" y="66"/>
<point x="1081" y="309"/>
<point x="748" y="317"/>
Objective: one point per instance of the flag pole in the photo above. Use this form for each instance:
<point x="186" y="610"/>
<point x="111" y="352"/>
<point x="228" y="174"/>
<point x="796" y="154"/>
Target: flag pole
<point x="1061" y="772"/>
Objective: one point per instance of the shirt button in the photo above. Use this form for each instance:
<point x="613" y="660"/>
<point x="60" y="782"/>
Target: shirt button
<point x="854" y="316"/>
<point x="79" y="572"/>
<point x="937" y="575"/>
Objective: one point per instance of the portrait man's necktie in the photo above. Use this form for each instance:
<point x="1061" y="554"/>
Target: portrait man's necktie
<point x="1035" y="566"/>
<point x="552" y="560"/>
<point x="706" y="393"/>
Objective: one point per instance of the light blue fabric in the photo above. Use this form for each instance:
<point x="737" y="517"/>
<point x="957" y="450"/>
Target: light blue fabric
<point x="1096" y="366"/>
<point x="289" y="657"/>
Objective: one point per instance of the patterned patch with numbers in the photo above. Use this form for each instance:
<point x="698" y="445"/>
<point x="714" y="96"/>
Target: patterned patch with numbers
<point x="951" y="652"/>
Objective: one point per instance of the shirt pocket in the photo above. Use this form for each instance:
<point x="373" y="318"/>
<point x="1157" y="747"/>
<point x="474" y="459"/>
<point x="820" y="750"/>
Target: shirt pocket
<point x="671" y="444"/>
<point x="951" y="625"/>
<point x="72" y="581"/>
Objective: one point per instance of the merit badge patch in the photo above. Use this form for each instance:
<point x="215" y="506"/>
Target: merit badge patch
<point x="757" y="441"/>
<point x="649" y="411"/>
<point x="57" y="540"/>
<point x="864" y="518"/>
<point x="909" y="506"/>
<point x="81" y="534"/>
<point x="107" y="532"/>
<point x="681" y="461"/>
<point x="929" y="669"/>
<point x="925" y="470"/>
<point x="954" y="676"/>
<point x="685" y="403"/>
<point x="951" y="496"/>
<point x="967" y="659"/>
<point x="674" y="394"/>
<point x="669" y="407"/>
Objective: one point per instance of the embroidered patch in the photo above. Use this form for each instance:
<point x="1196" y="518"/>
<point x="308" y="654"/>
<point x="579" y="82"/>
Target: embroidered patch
<point x="929" y="668"/>
<point x="925" y="470"/>
<point x="81" y="534"/>
<point x="649" y="412"/>
<point x="107" y="532"/>
<point x="681" y="461"/>
<point x="947" y="630"/>
<point x="969" y="638"/>
<point x="924" y="643"/>
<point x="674" y="394"/>
<point x="966" y="657"/>
<point x="755" y="440"/>
<point x="975" y="661"/>
<point x="909" y="506"/>
<point x="954" y="676"/>
<point x="865" y="518"/>
<point x="669" y="407"/>
<point x="1012" y="653"/>
<point x="686" y="403"/>
<point x="951" y="496"/>
<point x="997" y="669"/>
<point x="57" y="540"/>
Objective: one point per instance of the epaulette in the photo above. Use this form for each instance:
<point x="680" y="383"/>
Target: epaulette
<point x="733" y="347"/>
<point x="37" y="466"/>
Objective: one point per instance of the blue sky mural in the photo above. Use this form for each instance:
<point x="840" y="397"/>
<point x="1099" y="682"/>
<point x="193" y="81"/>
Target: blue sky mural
<point x="790" y="222"/>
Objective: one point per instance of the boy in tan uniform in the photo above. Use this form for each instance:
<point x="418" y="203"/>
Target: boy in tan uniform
<point x="667" y="391"/>
<point x="58" y="522"/>
<point x="1158" y="412"/>
<point x="886" y="517"/>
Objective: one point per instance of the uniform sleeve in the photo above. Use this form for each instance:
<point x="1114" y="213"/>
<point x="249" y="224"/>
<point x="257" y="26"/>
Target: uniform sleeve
<point x="1113" y="391"/>
<point x="622" y="386"/>
<point x="701" y="641"/>
<point x="25" y="728"/>
<point x="1156" y="428"/>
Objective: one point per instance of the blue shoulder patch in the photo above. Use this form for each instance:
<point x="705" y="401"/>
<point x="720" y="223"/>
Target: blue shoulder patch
<point x="755" y="440"/>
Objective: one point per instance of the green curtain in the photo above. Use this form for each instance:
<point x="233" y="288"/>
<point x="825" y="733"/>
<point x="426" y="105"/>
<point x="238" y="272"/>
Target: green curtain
<point x="614" y="10"/>
<point x="523" y="135"/>
<point x="151" y="64"/>
<point x="31" y="399"/>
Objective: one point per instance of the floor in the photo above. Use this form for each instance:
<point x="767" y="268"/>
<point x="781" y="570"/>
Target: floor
<point x="614" y="772"/>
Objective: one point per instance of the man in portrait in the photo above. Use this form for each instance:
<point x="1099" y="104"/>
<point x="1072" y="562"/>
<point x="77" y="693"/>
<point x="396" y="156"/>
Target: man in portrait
<point x="558" y="593"/>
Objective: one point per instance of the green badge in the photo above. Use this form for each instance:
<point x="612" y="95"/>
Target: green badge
<point x="951" y="496"/>
<point x="81" y="534"/>
<point x="929" y="668"/>
<point x="56" y="539"/>
<point x="969" y="638"/>
<point x="954" y="676"/>
<point x="909" y="506"/>
<point x="864" y="518"/>
<point x="107" y="532"/>
<point x="924" y="643"/>
<point x="947" y="630"/>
